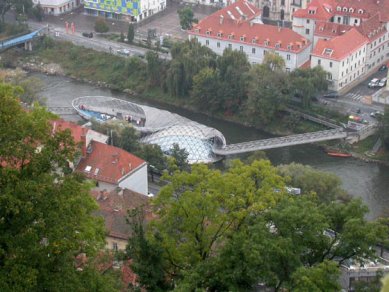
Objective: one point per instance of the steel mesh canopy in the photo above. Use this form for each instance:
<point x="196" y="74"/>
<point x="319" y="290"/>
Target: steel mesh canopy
<point x="161" y="127"/>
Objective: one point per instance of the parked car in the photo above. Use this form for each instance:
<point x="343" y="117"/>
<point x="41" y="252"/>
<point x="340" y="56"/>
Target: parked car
<point x="382" y="82"/>
<point x="87" y="34"/>
<point x="123" y="52"/>
<point x="383" y="67"/>
<point x="376" y="114"/>
<point x="373" y="83"/>
<point x="331" y="94"/>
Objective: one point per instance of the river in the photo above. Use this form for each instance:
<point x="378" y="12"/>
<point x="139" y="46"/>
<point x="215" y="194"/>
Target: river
<point x="366" y="180"/>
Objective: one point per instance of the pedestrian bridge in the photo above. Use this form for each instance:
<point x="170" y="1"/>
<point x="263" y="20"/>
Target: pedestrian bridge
<point x="23" y="39"/>
<point x="279" y="142"/>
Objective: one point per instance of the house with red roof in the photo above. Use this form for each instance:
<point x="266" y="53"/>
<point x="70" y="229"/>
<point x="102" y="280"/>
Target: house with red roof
<point x="345" y="27"/>
<point x="342" y="57"/>
<point x="238" y="27"/>
<point x="113" y="167"/>
<point x="113" y="208"/>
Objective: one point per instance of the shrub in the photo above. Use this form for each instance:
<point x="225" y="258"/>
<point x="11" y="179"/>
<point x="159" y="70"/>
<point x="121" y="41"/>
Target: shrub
<point x="101" y="25"/>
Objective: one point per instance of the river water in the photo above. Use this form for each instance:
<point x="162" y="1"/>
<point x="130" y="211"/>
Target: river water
<point x="366" y="180"/>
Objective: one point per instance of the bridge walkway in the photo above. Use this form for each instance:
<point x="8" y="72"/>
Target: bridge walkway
<point x="279" y="142"/>
<point x="5" y="44"/>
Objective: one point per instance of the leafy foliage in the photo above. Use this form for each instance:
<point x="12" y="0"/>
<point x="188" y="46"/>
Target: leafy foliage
<point x="101" y="25"/>
<point x="46" y="218"/>
<point x="131" y="33"/>
<point x="186" y="18"/>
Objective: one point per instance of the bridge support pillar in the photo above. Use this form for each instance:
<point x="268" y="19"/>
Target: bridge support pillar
<point x="28" y="46"/>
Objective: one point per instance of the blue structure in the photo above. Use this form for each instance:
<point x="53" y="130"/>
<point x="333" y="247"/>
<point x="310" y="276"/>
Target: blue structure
<point x="24" y="39"/>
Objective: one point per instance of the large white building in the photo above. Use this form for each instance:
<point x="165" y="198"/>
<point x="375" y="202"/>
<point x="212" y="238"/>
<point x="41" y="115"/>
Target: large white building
<point x="344" y="28"/>
<point x="238" y="27"/>
<point x="57" y="7"/>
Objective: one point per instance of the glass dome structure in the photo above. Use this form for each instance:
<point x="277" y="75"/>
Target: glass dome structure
<point x="157" y="126"/>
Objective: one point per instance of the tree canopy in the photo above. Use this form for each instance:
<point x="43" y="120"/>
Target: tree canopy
<point x="186" y="18"/>
<point x="46" y="218"/>
<point x="229" y="231"/>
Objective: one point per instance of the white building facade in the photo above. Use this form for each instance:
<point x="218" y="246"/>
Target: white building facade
<point x="57" y="7"/>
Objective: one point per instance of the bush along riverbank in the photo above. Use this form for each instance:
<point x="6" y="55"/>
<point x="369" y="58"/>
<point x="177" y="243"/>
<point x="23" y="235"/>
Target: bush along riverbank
<point x="226" y="87"/>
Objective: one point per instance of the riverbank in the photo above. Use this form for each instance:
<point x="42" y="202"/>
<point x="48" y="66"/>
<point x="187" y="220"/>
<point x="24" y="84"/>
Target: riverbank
<point x="129" y="76"/>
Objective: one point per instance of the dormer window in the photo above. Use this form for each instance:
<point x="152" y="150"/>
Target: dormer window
<point x="289" y="47"/>
<point x="208" y="32"/>
<point x="219" y="34"/>
<point x="311" y="11"/>
<point x="266" y="42"/>
<point x="231" y="36"/>
<point x="351" y="10"/>
<point x="197" y="30"/>
<point x="321" y="28"/>
<point x="345" y="9"/>
<point x="328" y="52"/>
<point x="242" y="38"/>
<point x="360" y="11"/>
<point x="339" y="8"/>
<point x="254" y="40"/>
<point x="278" y="45"/>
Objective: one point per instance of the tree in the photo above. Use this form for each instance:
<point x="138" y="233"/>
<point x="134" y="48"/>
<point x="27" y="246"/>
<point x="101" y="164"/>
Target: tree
<point x="155" y="68"/>
<point x="101" y="25"/>
<point x="46" y="211"/>
<point x="129" y="140"/>
<point x="153" y="154"/>
<point x="186" y="18"/>
<point x="22" y="6"/>
<point x="306" y="83"/>
<point x="233" y="67"/>
<point x="266" y="94"/>
<point x="38" y="12"/>
<point x="180" y="156"/>
<point x="385" y="127"/>
<point x="206" y="89"/>
<point x="274" y="62"/>
<point x="5" y="6"/>
<point x="327" y="186"/>
<point x="131" y="33"/>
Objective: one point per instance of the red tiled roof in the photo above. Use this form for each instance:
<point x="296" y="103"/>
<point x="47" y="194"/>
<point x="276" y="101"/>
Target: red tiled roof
<point x="330" y="29"/>
<point x="317" y="10"/>
<point x="372" y="28"/>
<point x="341" y="46"/>
<point x="108" y="163"/>
<point x="114" y="206"/>
<point x="306" y="65"/>
<point x="222" y="23"/>
<point x="76" y="130"/>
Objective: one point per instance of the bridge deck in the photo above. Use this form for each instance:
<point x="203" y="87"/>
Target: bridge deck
<point x="281" y="142"/>
<point x="18" y="40"/>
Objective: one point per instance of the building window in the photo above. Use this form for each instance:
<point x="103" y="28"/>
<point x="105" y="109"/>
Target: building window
<point x="230" y="46"/>
<point x="264" y="52"/>
<point x="339" y="19"/>
<point x="287" y="70"/>
<point x="318" y="61"/>
<point x="207" y="42"/>
<point x="115" y="246"/>
<point x="288" y="57"/>
<point x="208" y="32"/>
<point x="218" y="44"/>
<point x="307" y="31"/>
<point x="277" y="46"/>
<point x="253" y="50"/>
<point x="330" y="64"/>
<point x="241" y="48"/>
<point x="329" y="76"/>
<point x="307" y="20"/>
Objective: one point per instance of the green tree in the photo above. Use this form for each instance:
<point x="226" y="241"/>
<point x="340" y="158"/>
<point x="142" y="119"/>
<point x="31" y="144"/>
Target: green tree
<point x="385" y="127"/>
<point x="233" y="67"/>
<point x="180" y="156"/>
<point x="327" y="186"/>
<point x="38" y="12"/>
<point x="307" y="83"/>
<point x="153" y="155"/>
<point x="274" y="62"/>
<point x="131" y="33"/>
<point x="46" y="212"/>
<point x="266" y="94"/>
<point x="101" y="25"/>
<point x="5" y="6"/>
<point x="206" y="89"/>
<point x="186" y="18"/>
<point x="128" y="140"/>
<point x="22" y="6"/>
<point x="321" y="277"/>
<point x="155" y="68"/>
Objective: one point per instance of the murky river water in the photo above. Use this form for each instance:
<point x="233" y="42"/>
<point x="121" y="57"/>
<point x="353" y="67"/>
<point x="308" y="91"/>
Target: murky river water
<point x="366" y="180"/>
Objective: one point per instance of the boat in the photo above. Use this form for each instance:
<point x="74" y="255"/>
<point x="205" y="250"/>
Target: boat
<point x="339" y="154"/>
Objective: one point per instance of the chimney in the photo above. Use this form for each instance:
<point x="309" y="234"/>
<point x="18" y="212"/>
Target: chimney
<point x="83" y="146"/>
<point x="251" y="24"/>
<point x="221" y="19"/>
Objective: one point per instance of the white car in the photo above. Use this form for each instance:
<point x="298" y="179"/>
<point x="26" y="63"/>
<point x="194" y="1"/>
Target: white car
<point x="373" y="83"/>
<point x="123" y="52"/>
<point x="382" y="82"/>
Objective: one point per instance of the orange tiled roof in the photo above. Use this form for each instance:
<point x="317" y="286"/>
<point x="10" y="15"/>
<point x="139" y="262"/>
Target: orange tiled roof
<point x="77" y="131"/>
<point x="372" y="28"/>
<point x="317" y="10"/>
<point x="340" y="46"/>
<point x="330" y="29"/>
<point x="229" y="26"/>
<point x="108" y="163"/>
